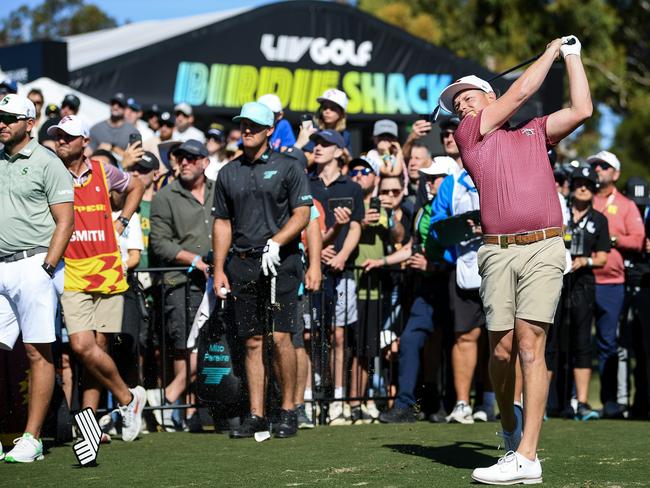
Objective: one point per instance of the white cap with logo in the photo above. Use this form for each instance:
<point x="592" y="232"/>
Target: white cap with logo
<point x="441" y="166"/>
<point x="71" y="125"/>
<point x="335" y="96"/>
<point x="19" y="106"/>
<point x="606" y="157"/>
<point x="471" y="82"/>
<point x="272" y="101"/>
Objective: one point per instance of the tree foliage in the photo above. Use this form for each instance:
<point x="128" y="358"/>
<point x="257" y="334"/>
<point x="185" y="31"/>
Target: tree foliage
<point x="502" y="33"/>
<point x="53" y="19"/>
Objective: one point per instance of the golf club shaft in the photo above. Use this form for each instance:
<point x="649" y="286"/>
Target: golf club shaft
<point x="433" y="118"/>
<point x="521" y="65"/>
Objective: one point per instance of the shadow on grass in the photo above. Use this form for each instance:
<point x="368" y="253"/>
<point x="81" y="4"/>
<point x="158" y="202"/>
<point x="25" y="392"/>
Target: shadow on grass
<point x="462" y="455"/>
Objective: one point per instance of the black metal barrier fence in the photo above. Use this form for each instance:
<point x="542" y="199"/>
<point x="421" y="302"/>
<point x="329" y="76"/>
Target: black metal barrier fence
<point x="351" y="321"/>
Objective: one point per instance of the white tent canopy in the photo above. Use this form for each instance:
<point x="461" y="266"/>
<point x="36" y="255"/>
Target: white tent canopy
<point x="91" y="110"/>
<point x="93" y="47"/>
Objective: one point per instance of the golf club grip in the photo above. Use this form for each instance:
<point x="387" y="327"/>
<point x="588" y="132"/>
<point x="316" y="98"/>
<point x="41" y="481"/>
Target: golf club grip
<point x="273" y="279"/>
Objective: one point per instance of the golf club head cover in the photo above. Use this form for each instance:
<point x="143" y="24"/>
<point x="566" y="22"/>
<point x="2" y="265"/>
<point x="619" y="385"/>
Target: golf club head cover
<point x="570" y="45"/>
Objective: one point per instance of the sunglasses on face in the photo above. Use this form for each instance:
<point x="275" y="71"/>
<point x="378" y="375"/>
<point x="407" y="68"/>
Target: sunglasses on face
<point x="445" y="134"/>
<point x="390" y="191"/>
<point x="602" y="165"/>
<point x="587" y="185"/>
<point x="10" y="119"/>
<point x="190" y="158"/>
<point x="361" y="171"/>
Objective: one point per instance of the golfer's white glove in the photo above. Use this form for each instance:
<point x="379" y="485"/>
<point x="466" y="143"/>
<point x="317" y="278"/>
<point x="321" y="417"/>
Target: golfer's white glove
<point x="271" y="258"/>
<point x="567" y="49"/>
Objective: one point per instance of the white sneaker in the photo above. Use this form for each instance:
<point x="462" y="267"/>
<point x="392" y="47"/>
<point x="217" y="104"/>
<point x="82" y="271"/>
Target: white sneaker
<point x="337" y="414"/>
<point x="132" y="414"/>
<point x="162" y="416"/>
<point x="372" y="410"/>
<point x="511" y="469"/>
<point x="27" y="449"/>
<point x="461" y="414"/>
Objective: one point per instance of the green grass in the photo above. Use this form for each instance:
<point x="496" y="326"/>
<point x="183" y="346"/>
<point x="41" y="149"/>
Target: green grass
<point x="574" y="454"/>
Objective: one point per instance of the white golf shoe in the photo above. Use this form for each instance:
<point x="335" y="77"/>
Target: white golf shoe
<point x="27" y="449"/>
<point x="511" y="469"/>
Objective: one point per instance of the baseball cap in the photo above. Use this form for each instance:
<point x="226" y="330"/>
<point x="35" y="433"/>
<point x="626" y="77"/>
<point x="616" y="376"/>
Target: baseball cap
<point x="384" y="126"/>
<point x="215" y="133"/>
<point x="441" y="166"/>
<point x="584" y="173"/>
<point x="331" y="136"/>
<point x="153" y="110"/>
<point x="256" y="112"/>
<point x="71" y="125"/>
<point x="133" y="105"/>
<point x="71" y="101"/>
<point x="18" y="105"/>
<point x="194" y="147"/>
<point x="272" y="101"/>
<point x="367" y="162"/>
<point x="446" y="100"/>
<point x="637" y="190"/>
<point x="298" y="155"/>
<point x="149" y="161"/>
<point x="335" y="96"/>
<point x="167" y="119"/>
<point x="184" y="108"/>
<point x="8" y="86"/>
<point x="118" y="98"/>
<point x="448" y="122"/>
<point x="51" y="108"/>
<point x="605" y="157"/>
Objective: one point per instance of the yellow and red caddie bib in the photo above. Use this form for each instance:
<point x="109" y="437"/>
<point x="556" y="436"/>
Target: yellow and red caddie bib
<point x="92" y="258"/>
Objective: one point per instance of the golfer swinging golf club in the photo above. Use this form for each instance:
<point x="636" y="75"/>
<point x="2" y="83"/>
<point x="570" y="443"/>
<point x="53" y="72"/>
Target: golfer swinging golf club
<point x="522" y="259"/>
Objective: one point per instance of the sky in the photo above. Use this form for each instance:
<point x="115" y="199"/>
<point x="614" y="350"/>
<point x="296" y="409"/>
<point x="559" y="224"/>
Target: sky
<point x="136" y="10"/>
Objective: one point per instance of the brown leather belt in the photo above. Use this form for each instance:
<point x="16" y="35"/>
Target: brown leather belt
<point x="505" y="240"/>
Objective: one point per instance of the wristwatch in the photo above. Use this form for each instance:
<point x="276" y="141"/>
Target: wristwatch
<point x="123" y="220"/>
<point x="49" y="269"/>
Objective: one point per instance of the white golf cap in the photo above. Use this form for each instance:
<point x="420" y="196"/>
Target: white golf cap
<point x="384" y="126"/>
<point x="441" y="166"/>
<point x="19" y="106"/>
<point x="272" y="101"/>
<point x="605" y="157"/>
<point x="335" y="96"/>
<point x="184" y="108"/>
<point x="446" y="100"/>
<point x="71" y="125"/>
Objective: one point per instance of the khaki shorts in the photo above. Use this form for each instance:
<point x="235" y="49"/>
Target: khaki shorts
<point x="522" y="282"/>
<point x="92" y="311"/>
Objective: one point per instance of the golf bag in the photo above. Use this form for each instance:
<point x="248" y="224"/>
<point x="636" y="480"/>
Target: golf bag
<point x="220" y="366"/>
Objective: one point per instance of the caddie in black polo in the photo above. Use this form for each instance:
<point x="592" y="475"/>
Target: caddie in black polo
<point x="262" y="203"/>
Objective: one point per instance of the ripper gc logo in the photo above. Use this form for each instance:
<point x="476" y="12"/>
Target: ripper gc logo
<point x="321" y="51"/>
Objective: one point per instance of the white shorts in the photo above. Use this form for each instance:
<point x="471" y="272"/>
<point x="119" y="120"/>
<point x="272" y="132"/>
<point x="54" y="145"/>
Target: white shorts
<point x="28" y="300"/>
<point x="346" y="302"/>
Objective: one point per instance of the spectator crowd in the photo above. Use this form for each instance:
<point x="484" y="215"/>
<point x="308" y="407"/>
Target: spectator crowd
<point x="386" y="322"/>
